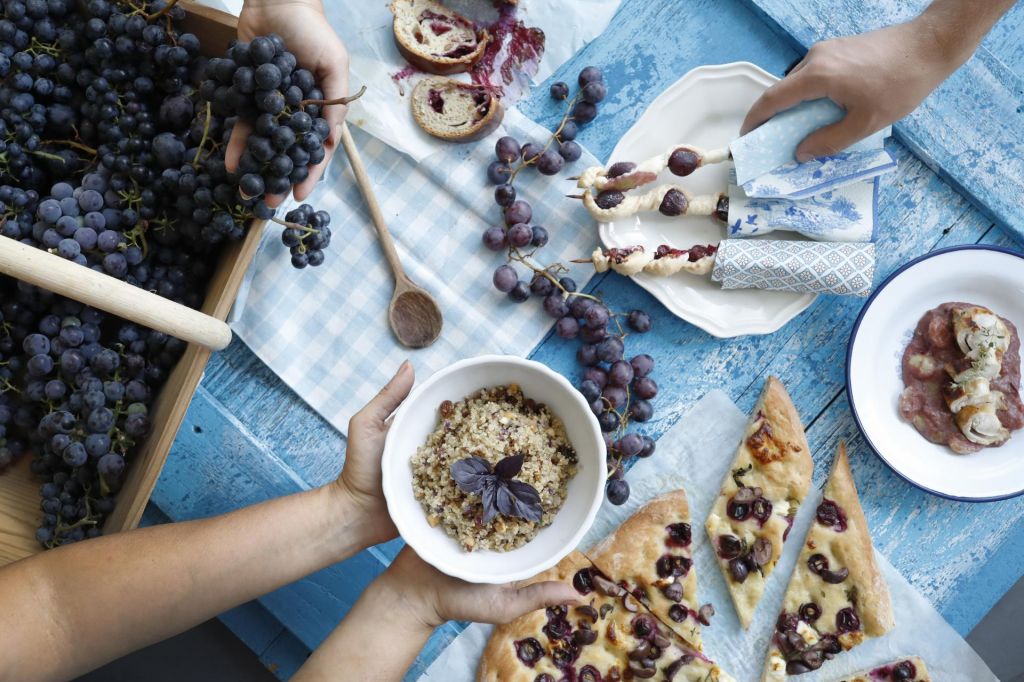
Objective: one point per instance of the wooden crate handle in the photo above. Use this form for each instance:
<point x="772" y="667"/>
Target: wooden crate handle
<point x="85" y="285"/>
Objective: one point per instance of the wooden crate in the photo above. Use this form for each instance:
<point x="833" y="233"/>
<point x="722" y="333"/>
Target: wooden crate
<point x="19" y="488"/>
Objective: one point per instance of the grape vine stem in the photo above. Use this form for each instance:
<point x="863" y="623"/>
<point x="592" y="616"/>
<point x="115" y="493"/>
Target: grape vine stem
<point x="164" y="10"/>
<point x="339" y="100"/>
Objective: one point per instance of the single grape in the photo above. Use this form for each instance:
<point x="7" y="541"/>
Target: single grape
<point x="505" y="278"/>
<point x="504" y="195"/>
<point x="594" y="92"/>
<point x="542" y="286"/>
<point x="555" y="306"/>
<point x="645" y="388"/>
<point x="615" y="395"/>
<point x="550" y="162"/>
<point x="584" y="112"/>
<point x="648" y="448"/>
<point x="590" y="390"/>
<point x="596" y="315"/>
<point x="570" y="151"/>
<point x="621" y="374"/>
<point x="498" y="173"/>
<point x="568" y="283"/>
<point x="567" y="328"/>
<point x="494" y="238"/>
<point x="531" y="152"/>
<point x="590" y="74"/>
<point x="520" y="235"/>
<point x="596" y="374"/>
<point x="598" y="408"/>
<point x="520" y="292"/>
<point x="639" y="321"/>
<point x="610" y="350"/>
<point x="518" y="212"/>
<point x="608" y="421"/>
<point x="631" y="444"/>
<point x="683" y="161"/>
<point x="643" y="364"/>
<point x="507" y="149"/>
<point x="586" y="355"/>
<point x="540" y="236"/>
<point x="593" y="334"/>
<point x="559" y="90"/>
<point x="641" y="410"/>
<point x="580" y="305"/>
<point x="617" y="491"/>
<point x="569" y="131"/>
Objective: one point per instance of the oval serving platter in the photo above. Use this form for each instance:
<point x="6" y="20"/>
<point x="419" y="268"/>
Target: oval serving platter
<point x="988" y="276"/>
<point x="705" y="107"/>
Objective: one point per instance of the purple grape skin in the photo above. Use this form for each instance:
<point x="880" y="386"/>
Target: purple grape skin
<point x="505" y="278"/>
<point x="594" y="92"/>
<point x="586" y="355"/>
<point x="597" y="375"/>
<point x="593" y="334"/>
<point x="580" y="305"/>
<point x="639" y="321"/>
<point x="567" y="328"/>
<point x="643" y="364"/>
<point x="518" y="212"/>
<point x="559" y="90"/>
<point x="645" y="388"/>
<point x="584" y="112"/>
<point x="541" y="286"/>
<point x="610" y="350"/>
<point x="520" y="234"/>
<point x="617" y="491"/>
<point x="531" y="151"/>
<point x="597" y="407"/>
<point x="550" y="162"/>
<point x="596" y="315"/>
<point x="590" y="390"/>
<point x="504" y="195"/>
<point x="494" y="238"/>
<point x="631" y="444"/>
<point x="520" y="292"/>
<point x="616" y="395"/>
<point x="608" y="421"/>
<point x="507" y="149"/>
<point x="569" y="131"/>
<point x="568" y="283"/>
<point x="498" y="173"/>
<point x="590" y="74"/>
<point x="621" y="374"/>
<point x="540" y="236"/>
<point x="555" y="306"/>
<point x="641" y="410"/>
<point x="648" y="448"/>
<point x="570" y="151"/>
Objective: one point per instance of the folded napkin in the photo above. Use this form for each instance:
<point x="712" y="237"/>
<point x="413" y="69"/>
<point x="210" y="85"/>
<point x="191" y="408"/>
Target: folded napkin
<point x="843" y="214"/>
<point x="764" y="157"/>
<point x="805" y="267"/>
<point x="324" y="330"/>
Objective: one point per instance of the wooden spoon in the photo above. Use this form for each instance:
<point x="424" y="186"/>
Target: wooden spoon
<point x="413" y="313"/>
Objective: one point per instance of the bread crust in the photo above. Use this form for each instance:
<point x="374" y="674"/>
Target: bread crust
<point x="774" y="448"/>
<point x="482" y="128"/>
<point x="631" y="554"/>
<point x="430" y="63"/>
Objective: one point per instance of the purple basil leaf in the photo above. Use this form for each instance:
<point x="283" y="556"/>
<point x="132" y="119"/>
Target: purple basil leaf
<point x="527" y="500"/>
<point x="471" y="473"/>
<point x="506" y="501"/>
<point x="488" y="494"/>
<point x="509" y="466"/>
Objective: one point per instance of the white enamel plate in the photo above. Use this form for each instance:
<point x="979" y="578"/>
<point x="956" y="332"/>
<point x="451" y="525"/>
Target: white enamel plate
<point x="988" y="276"/>
<point x="706" y="108"/>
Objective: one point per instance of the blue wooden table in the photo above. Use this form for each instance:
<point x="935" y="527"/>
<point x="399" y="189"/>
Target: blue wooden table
<point x="247" y="437"/>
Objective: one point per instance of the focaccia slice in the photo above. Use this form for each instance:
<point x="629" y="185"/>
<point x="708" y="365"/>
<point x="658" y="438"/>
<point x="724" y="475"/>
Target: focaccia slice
<point x="607" y="637"/>
<point x="837" y="597"/>
<point x="910" y="669"/>
<point x="769" y="478"/>
<point x="651" y="556"/>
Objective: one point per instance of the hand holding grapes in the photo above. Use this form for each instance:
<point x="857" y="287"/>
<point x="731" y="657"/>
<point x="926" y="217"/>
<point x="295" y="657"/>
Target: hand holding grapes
<point x="304" y="28"/>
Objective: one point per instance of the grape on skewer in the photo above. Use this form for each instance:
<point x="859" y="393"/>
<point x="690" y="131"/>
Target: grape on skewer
<point x="681" y="160"/>
<point x="669" y="200"/>
<point x="662" y="262"/>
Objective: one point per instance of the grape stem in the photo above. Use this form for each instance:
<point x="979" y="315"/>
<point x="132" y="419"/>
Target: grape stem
<point x="295" y="226"/>
<point x="329" y="102"/>
<point x="206" y="134"/>
<point x="77" y="145"/>
<point x="164" y="10"/>
<point x="554" y="136"/>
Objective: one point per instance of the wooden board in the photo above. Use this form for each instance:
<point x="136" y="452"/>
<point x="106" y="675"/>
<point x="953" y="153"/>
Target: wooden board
<point x="19" y="490"/>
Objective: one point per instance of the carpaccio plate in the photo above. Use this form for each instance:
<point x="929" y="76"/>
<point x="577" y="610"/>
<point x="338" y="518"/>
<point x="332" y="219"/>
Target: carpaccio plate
<point x="706" y="108"/>
<point x="987" y="276"/>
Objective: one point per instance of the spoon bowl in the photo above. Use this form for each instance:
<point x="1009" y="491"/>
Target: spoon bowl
<point x="414" y="315"/>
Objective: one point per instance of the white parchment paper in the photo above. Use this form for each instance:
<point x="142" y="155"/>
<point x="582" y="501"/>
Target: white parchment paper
<point x="695" y="455"/>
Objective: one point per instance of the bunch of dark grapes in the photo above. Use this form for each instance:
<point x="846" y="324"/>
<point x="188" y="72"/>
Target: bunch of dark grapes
<point x="113" y="132"/>
<point x="618" y="390"/>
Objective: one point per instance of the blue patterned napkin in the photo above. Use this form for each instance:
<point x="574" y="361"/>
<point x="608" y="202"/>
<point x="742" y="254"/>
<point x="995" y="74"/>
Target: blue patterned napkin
<point x="324" y="330"/>
<point x="844" y="214"/>
<point x="804" y="267"/>
<point x="764" y="157"/>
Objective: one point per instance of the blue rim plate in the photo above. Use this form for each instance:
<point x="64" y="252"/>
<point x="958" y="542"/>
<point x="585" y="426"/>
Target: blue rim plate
<point x="972" y="273"/>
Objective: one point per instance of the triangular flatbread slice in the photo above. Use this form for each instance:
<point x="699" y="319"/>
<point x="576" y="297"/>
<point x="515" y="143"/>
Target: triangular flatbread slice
<point x="769" y="478"/>
<point x="836" y="597"/>
<point x="620" y="639"/>
<point x="651" y="554"/>
<point x="910" y="669"/>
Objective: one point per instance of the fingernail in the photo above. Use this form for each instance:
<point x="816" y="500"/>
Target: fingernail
<point x="804" y="157"/>
<point x="404" y="367"/>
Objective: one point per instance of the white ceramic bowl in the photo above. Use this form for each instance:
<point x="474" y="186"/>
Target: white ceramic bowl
<point x="417" y="417"/>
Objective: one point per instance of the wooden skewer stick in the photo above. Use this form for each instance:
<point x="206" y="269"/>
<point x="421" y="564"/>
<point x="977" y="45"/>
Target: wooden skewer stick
<point x="82" y="284"/>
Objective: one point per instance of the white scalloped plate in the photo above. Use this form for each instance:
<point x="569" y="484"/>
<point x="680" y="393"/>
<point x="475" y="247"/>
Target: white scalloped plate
<point x="988" y="276"/>
<point x="705" y="107"/>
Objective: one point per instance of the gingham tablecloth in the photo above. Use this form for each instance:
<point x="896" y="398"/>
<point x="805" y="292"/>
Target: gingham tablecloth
<point x="324" y="330"/>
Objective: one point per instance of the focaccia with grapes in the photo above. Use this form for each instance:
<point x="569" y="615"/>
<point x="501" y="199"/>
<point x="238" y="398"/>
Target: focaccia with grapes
<point x="769" y="478"/>
<point x="837" y="597"/>
<point x="651" y="554"/>
<point x="607" y="637"/>
<point x="910" y="669"/>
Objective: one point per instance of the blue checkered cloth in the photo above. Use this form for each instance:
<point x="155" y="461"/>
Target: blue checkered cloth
<point x="324" y="330"/>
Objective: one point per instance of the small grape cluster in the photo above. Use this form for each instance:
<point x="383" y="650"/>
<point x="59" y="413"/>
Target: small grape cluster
<point x="618" y="390"/>
<point x="307" y="233"/>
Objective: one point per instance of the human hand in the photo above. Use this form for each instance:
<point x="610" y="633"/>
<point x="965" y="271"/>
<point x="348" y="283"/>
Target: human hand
<point x="877" y="77"/>
<point x="430" y="597"/>
<point x="360" y="479"/>
<point x="307" y="34"/>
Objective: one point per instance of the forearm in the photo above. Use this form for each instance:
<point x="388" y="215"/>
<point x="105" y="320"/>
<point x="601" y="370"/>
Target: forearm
<point x="376" y="642"/>
<point x="958" y="26"/>
<point x="68" y="610"/>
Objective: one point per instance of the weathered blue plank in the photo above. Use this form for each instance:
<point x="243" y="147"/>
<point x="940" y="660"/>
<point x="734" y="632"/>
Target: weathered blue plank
<point x="285" y="655"/>
<point x="970" y="130"/>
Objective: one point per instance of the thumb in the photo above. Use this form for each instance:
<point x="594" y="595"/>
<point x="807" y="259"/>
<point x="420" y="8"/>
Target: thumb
<point x="236" y="145"/>
<point x="834" y="138"/>
<point x="386" y="401"/>
<point x="516" y="601"/>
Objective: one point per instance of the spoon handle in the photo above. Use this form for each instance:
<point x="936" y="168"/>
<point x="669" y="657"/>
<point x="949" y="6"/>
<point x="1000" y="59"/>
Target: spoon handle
<point x="363" y="180"/>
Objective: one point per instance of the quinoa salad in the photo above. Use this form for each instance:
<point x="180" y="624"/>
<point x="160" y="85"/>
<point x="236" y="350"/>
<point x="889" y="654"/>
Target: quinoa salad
<point x="493" y="424"/>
